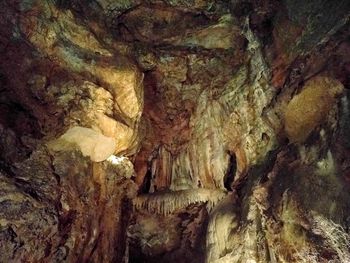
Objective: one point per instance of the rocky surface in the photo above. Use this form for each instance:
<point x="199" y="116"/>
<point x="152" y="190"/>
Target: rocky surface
<point x="54" y="207"/>
<point x="174" y="131"/>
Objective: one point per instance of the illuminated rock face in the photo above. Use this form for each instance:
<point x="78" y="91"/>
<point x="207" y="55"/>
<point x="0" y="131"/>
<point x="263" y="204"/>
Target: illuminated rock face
<point x="64" y="84"/>
<point x="90" y="143"/>
<point x="309" y="108"/>
<point x="70" y="77"/>
<point x="174" y="131"/>
<point x="205" y="116"/>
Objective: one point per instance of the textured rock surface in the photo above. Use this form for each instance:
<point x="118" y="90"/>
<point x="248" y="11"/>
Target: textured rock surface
<point x="179" y="236"/>
<point x="209" y="131"/>
<point x="90" y="143"/>
<point x="55" y="209"/>
<point x="55" y="75"/>
<point x="309" y="108"/>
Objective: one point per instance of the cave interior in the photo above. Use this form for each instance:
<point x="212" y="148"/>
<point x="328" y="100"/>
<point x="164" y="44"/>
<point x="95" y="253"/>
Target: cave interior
<point x="160" y="131"/>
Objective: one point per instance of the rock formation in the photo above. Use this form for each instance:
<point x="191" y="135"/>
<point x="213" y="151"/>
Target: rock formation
<point x="206" y="131"/>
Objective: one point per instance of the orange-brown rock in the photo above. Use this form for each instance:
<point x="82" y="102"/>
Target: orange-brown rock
<point x="310" y="107"/>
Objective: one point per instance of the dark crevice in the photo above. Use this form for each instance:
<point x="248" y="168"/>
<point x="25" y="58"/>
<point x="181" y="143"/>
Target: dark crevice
<point x="146" y="184"/>
<point x="231" y="171"/>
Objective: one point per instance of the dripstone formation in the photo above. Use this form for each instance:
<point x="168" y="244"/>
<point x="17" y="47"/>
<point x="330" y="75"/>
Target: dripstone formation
<point x="197" y="131"/>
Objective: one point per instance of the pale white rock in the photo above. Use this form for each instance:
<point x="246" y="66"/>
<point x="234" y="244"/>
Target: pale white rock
<point x="223" y="221"/>
<point x="91" y="143"/>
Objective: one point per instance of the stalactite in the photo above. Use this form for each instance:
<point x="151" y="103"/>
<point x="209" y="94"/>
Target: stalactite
<point x="165" y="203"/>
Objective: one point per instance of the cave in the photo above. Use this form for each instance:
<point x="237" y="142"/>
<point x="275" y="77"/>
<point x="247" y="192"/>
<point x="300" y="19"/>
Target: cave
<point x="160" y="131"/>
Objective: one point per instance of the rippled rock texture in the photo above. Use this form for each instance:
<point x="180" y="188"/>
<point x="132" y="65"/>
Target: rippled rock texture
<point x="174" y="131"/>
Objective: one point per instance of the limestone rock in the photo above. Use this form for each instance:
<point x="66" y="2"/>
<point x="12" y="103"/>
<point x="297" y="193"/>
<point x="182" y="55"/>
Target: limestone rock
<point x="60" y="37"/>
<point x="222" y="222"/>
<point x="224" y="35"/>
<point x="183" y="110"/>
<point x="165" y="239"/>
<point x="91" y="143"/>
<point x="310" y="107"/>
<point x="73" y="217"/>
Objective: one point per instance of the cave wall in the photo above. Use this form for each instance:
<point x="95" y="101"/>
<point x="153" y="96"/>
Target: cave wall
<point x="61" y="199"/>
<point x="160" y="130"/>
